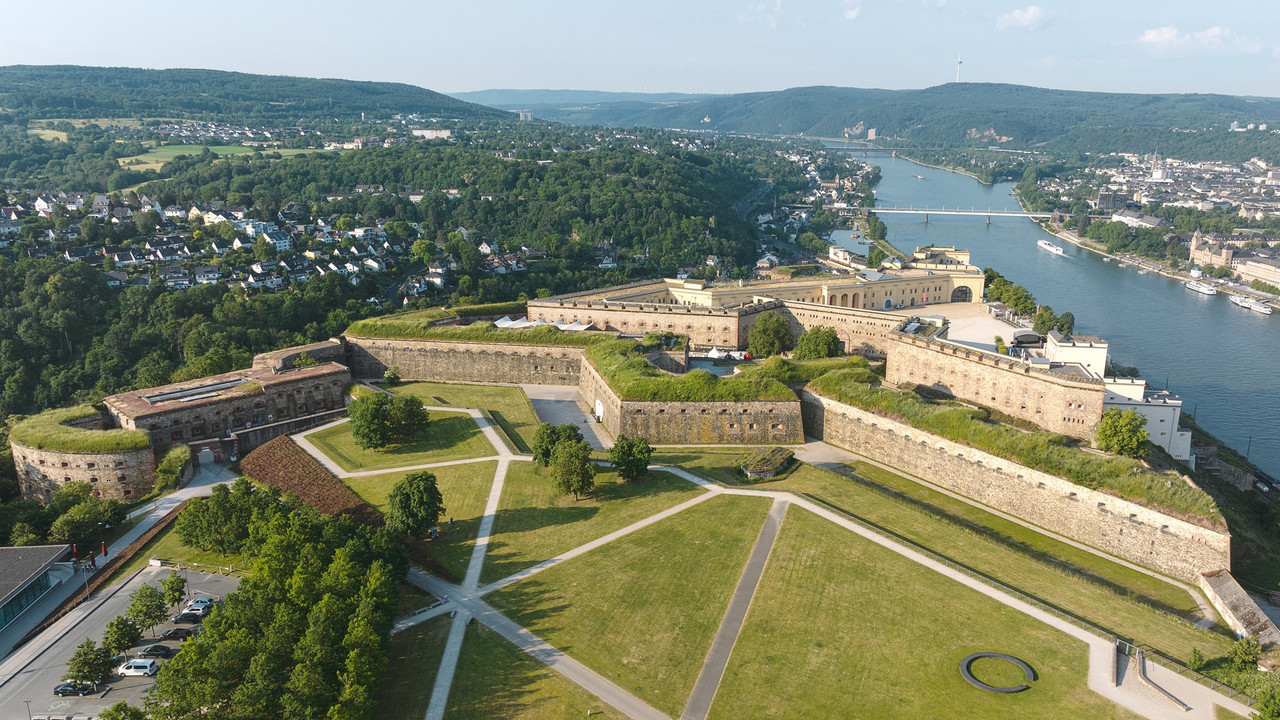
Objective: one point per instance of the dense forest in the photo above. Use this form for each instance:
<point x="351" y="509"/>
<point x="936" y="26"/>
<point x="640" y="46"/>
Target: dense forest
<point x="71" y="91"/>
<point x="970" y="115"/>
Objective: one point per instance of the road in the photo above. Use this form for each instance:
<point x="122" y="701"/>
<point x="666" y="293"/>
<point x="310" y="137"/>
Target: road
<point x="35" y="681"/>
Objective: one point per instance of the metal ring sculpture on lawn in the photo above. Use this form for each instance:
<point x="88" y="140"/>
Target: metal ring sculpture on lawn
<point x="968" y="675"/>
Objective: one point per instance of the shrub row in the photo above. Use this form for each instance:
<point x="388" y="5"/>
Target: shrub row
<point x="281" y="464"/>
<point x="802" y="371"/>
<point x="1044" y="451"/>
<point x="634" y="378"/>
<point x="48" y="431"/>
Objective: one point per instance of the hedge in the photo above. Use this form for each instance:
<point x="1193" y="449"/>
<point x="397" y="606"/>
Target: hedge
<point x="49" y="431"/>
<point x="169" y="471"/>
<point x="632" y="377"/>
<point x="1045" y="451"/>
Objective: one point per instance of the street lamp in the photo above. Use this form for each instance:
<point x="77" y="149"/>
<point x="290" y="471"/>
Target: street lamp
<point x="102" y="543"/>
<point x="28" y="702"/>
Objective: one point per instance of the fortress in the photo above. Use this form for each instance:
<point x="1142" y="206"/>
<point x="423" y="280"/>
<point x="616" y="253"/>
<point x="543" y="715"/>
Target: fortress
<point x="1063" y="391"/>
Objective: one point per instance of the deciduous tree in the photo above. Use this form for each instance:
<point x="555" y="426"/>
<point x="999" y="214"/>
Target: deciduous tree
<point x="817" y="342"/>
<point x="415" y="504"/>
<point x="371" y="421"/>
<point x="547" y="436"/>
<point x="120" y="634"/>
<point x="571" y="468"/>
<point x="174" y="587"/>
<point x="147" y="607"/>
<point x="1123" y="432"/>
<point x="89" y="663"/>
<point x="630" y="457"/>
<point x="769" y="335"/>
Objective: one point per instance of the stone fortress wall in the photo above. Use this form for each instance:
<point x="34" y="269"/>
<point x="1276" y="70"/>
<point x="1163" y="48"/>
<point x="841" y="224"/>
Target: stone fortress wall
<point x="682" y="423"/>
<point x="1125" y="529"/>
<point x="1056" y="401"/>
<point x="122" y="475"/>
<point x="460" y="361"/>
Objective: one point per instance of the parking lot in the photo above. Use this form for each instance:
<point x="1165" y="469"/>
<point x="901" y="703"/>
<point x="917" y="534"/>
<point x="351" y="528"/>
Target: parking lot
<point x="36" y="681"/>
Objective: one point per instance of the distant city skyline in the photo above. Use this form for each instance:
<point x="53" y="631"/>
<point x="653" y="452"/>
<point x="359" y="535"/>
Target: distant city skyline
<point x="717" y="46"/>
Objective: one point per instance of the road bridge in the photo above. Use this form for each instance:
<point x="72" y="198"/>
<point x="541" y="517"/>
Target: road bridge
<point x="956" y="211"/>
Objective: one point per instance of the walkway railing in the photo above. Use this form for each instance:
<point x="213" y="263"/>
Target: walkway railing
<point x="1130" y="648"/>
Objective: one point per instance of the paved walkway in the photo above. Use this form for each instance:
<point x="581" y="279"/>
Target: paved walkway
<point x="704" y="690"/>
<point x="820" y="454"/>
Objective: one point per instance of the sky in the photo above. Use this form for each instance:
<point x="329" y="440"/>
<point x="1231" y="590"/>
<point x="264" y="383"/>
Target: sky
<point x="704" y="46"/>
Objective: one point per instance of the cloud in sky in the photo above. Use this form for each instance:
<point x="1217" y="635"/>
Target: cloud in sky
<point x="1168" y="39"/>
<point x="1030" y="18"/>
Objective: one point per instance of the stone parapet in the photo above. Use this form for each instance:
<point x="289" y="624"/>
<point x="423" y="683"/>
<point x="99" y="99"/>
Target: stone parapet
<point x="1122" y="528"/>
<point x="1237" y="608"/>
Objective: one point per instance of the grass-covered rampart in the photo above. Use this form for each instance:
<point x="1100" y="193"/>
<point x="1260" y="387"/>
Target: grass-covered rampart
<point x="475" y="332"/>
<point x="49" y="431"/>
<point x="414" y="324"/>
<point x="622" y="365"/>
<point x="1044" y="451"/>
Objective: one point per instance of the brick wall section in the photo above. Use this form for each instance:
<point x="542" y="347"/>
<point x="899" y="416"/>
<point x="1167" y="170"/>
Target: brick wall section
<point x="1238" y="610"/>
<point x="124" y="476"/>
<point x="1054" y="401"/>
<point x="1125" y="529"/>
<point x="454" y="361"/>
<point x="737" y="423"/>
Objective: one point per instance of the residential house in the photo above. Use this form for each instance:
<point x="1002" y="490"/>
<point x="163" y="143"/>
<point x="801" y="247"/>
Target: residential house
<point x="207" y="274"/>
<point x="487" y="247"/>
<point x="116" y="278"/>
<point x="220" y="247"/>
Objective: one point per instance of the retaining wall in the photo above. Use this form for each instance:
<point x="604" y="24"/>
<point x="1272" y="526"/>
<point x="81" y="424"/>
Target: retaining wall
<point x="1138" y="534"/>
<point x="1237" y="608"/>
<point x="124" y="476"/>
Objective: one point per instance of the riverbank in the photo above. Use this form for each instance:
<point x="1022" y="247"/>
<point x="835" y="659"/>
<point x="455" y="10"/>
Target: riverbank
<point x="1153" y="266"/>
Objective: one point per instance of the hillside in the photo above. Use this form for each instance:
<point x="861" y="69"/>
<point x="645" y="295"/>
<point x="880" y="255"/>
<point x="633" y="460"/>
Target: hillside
<point x="71" y="91"/>
<point x="525" y="99"/>
<point x="946" y="115"/>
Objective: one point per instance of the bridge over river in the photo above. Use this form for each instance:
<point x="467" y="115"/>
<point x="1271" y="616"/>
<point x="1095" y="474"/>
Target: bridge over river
<point x="957" y="211"/>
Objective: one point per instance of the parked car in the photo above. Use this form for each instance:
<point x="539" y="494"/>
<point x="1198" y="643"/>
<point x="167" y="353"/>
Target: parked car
<point x="177" y="634"/>
<point x="140" y="667"/>
<point x="157" y="651"/>
<point x="202" y="601"/>
<point x="192" y="617"/>
<point x="68" y="689"/>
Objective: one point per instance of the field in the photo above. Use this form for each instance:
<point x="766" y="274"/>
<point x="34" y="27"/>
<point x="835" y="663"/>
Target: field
<point x="1085" y="599"/>
<point x="495" y="679"/>
<point x="413" y="658"/>
<point x="642" y="610"/>
<point x="508" y="405"/>
<point x="464" y="489"/>
<point x="154" y="158"/>
<point x="839" y="622"/>
<point x="448" y="436"/>
<point x="534" y="523"/>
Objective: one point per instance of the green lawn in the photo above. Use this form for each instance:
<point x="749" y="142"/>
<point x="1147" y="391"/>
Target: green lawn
<point x="1092" y="602"/>
<point x="509" y="406"/>
<point x="448" y="436"/>
<point x="465" y="488"/>
<point x="166" y="547"/>
<point x="642" y="610"/>
<point x="496" y="680"/>
<point x="158" y="156"/>
<point x="535" y="524"/>
<point x="1221" y="713"/>
<point x="841" y="627"/>
<point x="413" y="659"/>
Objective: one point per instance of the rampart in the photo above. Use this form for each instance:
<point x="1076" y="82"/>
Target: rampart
<point x="1135" y="533"/>
<point x="120" y="475"/>
<point x="460" y="361"/>
<point x="331" y="350"/>
<point x="663" y="422"/>
<point x="1056" y="401"/>
<point x="704" y="326"/>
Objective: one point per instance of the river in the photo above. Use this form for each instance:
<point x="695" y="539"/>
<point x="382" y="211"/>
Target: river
<point x="1220" y="358"/>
